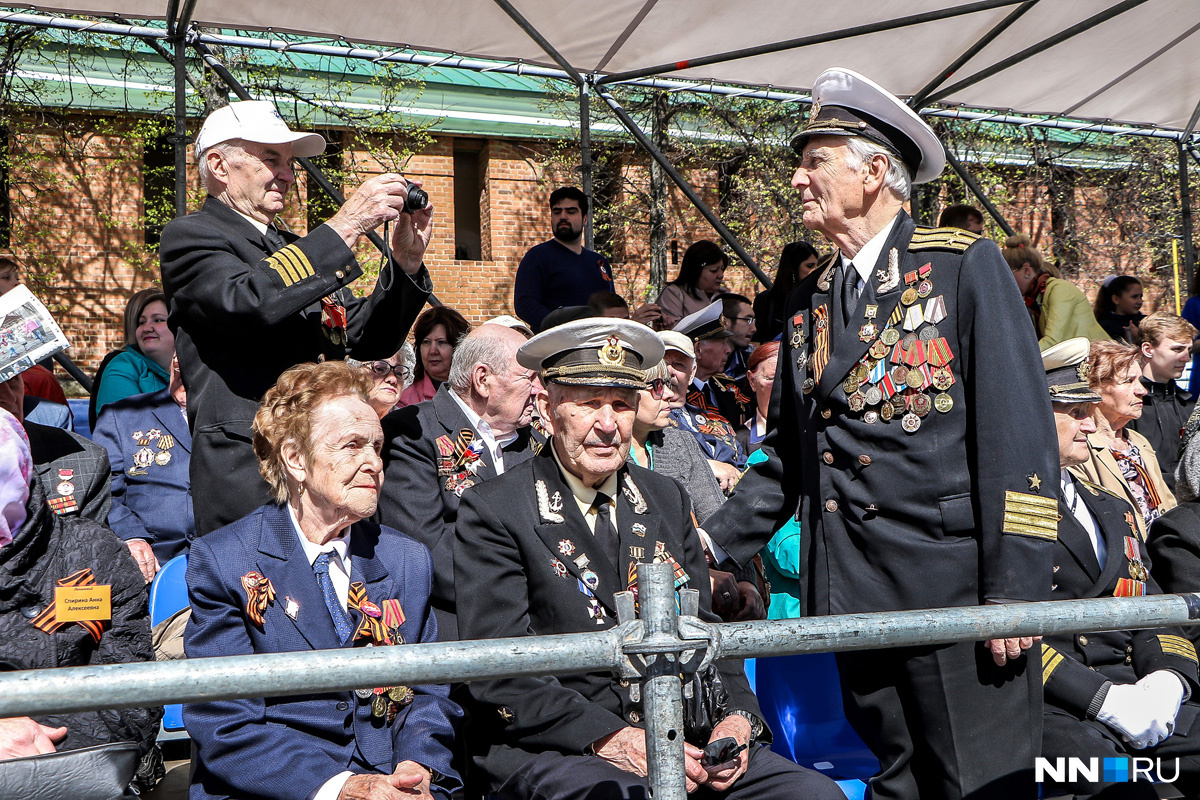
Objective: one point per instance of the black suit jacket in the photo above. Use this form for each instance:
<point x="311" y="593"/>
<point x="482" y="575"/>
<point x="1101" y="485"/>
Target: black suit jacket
<point x="421" y="488"/>
<point x="66" y="460"/>
<point x="515" y="566"/>
<point x="242" y="316"/>
<point x="1174" y="545"/>
<point x="893" y="519"/>
<point x="1075" y="667"/>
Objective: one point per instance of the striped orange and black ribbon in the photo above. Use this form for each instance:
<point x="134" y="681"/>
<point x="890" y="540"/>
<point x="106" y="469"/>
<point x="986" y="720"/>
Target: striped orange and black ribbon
<point x="820" y="356"/>
<point x="368" y="626"/>
<point x="48" y="621"/>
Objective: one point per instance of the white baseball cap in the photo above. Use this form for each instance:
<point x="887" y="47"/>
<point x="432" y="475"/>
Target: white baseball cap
<point x="255" y="121"/>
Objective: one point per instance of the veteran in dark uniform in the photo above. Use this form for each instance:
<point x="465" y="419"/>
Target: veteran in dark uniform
<point x="546" y="545"/>
<point x="1112" y="693"/>
<point x="896" y="444"/>
<point x="715" y="406"/>
<point x="249" y="300"/>
<point x="476" y="427"/>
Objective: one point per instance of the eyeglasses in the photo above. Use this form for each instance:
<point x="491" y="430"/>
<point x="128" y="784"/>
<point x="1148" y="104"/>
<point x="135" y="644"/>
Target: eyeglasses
<point x="749" y="319"/>
<point x="657" y="388"/>
<point x="380" y="369"/>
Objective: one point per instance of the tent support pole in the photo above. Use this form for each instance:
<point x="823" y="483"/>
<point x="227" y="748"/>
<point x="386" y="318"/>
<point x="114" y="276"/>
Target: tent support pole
<point x="585" y="161"/>
<point x="1185" y="215"/>
<point x="684" y="186"/>
<point x="1033" y="50"/>
<point x="806" y="41"/>
<point x="977" y="190"/>
<point x="312" y="169"/>
<point x="972" y="51"/>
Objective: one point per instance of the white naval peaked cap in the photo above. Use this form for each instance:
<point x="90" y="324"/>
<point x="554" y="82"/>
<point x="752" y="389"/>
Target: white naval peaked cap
<point x="1068" y="370"/>
<point x="597" y="351"/>
<point x="846" y="103"/>
<point x="255" y="121"/>
<point x="707" y="323"/>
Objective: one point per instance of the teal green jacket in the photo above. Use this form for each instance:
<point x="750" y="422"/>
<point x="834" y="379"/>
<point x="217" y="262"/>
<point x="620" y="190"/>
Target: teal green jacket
<point x="129" y="373"/>
<point x="781" y="562"/>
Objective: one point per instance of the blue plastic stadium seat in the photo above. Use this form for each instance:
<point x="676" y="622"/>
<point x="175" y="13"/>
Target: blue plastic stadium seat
<point x="801" y="701"/>
<point x="168" y="594"/>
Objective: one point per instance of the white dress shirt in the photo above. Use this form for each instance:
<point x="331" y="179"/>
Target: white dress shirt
<point x="494" y="444"/>
<point x="868" y="255"/>
<point x="1080" y="511"/>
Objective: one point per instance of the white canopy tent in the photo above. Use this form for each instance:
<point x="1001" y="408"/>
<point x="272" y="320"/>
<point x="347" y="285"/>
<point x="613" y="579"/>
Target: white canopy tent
<point x="1132" y="61"/>
<point x="1112" y="62"/>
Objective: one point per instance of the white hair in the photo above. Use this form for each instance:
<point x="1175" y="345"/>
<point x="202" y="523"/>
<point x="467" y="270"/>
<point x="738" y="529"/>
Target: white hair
<point x="493" y="351"/>
<point x="863" y="150"/>
<point x="225" y="148"/>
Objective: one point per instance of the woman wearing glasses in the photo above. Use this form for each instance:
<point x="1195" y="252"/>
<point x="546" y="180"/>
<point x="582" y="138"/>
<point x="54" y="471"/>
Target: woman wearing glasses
<point x="389" y="377"/>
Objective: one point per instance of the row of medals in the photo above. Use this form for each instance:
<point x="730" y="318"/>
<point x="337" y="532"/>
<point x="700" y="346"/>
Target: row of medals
<point x="386" y="701"/>
<point x="911" y="405"/>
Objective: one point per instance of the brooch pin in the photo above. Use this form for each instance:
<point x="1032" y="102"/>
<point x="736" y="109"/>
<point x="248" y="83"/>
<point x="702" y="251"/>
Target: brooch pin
<point x="547" y="514"/>
<point x="260" y="593"/>
<point x="634" y="496"/>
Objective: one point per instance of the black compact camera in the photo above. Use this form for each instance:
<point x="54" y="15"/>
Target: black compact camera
<point x="417" y="199"/>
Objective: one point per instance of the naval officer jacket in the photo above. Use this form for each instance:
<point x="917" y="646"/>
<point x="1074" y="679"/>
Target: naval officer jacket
<point x="948" y="497"/>
<point x="1077" y="668"/>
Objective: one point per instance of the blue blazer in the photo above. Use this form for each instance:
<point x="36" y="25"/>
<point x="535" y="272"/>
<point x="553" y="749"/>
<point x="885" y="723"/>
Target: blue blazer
<point x="284" y="748"/>
<point x="151" y="500"/>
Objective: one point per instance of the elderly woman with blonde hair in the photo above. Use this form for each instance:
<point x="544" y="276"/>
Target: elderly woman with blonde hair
<point x="1122" y="460"/>
<point x="311" y="571"/>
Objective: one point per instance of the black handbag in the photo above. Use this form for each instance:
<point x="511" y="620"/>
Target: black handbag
<point x="706" y="707"/>
<point x="101" y="772"/>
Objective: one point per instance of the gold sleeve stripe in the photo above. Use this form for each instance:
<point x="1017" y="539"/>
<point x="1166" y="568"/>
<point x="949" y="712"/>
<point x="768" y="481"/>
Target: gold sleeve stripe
<point x="1049" y="667"/>
<point x="284" y="259"/>
<point x="1048" y="505"/>
<point x="299" y="261"/>
<point x="1030" y="515"/>
<point x="1177" y="646"/>
<point x="282" y="268"/>
<point x="1047" y="653"/>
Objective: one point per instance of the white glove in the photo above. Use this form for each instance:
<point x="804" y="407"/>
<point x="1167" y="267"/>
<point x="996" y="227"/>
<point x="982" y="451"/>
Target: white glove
<point x="1129" y="711"/>
<point x="1164" y="691"/>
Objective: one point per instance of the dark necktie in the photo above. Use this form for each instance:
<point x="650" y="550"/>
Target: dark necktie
<point x="273" y="238"/>
<point x="605" y="533"/>
<point x="849" y="292"/>
<point x="341" y="618"/>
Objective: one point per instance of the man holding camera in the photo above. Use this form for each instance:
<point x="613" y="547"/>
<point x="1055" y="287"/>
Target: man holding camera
<point x="248" y="300"/>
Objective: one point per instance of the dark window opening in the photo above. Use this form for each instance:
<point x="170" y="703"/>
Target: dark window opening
<point x="468" y="193"/>
<point x="158" y="183"/>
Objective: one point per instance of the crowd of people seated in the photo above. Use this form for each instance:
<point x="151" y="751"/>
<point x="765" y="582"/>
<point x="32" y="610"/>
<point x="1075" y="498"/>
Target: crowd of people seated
<point x="335" y="485"/>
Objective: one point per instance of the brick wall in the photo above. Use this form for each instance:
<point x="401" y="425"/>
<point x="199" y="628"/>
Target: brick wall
<point x="77" y="206"/>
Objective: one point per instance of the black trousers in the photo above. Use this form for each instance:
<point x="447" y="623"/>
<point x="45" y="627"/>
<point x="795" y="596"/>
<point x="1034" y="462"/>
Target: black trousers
<point x="1065" y="735"/>
<point x="554" y="776"/>
<point x="945" y="721"/>
<point x="226" y="483"/>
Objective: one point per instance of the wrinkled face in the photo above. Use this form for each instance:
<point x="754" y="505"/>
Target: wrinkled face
<point x="762" y="379"/>
<point x="592" y="427"/>
<point x="153" y="336"/>
<point x="1074" y="422"/>
<point x="711" y="356"/>
<point x="652" y="414"/>
<point x="1167" y="359"/>
<point x="710" y="278"/>
<point x="742" y="325"/>
<point x="1122" y="397"/>
<point x="436" y="350"/>
<point x="511" y="397"/>
<point x="682" y="368"/>
<point x="567" y="220"/>
<point x="1128" y="302"/>
<point x="343" y="471"/>
<point x="385" y="389"/>
<point x="807" y="266"/>
<point x="830" y="191"/>
<point x="256" y="177"/>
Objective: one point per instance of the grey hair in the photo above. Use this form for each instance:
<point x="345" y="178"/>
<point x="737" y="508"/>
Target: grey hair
<point x="225" y="149"/>
<point x="863" y="150"/>
<point x="658" y="372"/>
<point x="491" y="351"/>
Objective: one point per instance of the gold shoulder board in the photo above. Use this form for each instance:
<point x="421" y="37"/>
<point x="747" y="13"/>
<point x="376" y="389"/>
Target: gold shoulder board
<point x="955" y="239"/>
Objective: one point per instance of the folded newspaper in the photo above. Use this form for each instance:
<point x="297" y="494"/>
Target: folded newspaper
<point x="28" y="334"/>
